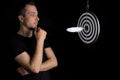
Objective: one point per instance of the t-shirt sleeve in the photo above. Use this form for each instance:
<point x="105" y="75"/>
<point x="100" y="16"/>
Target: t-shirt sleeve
<point x="18" y="47"/>
<point x="46" y="43"/>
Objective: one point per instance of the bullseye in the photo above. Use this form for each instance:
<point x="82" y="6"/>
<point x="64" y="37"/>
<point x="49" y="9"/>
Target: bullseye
<point x="91" y="27"/>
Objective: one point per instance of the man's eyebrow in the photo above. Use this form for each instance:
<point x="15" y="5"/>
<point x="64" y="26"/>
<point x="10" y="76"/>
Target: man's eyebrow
<point x="31" y="12"/>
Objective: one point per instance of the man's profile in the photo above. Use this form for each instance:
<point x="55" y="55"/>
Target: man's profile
<point x="31" y="50"/>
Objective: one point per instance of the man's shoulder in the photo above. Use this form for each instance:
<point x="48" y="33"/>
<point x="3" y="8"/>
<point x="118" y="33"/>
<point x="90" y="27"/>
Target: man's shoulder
<point x="16" y="38"/>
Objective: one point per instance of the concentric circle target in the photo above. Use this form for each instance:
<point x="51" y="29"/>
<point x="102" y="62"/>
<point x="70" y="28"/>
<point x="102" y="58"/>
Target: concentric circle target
<point x="91" y="27"/>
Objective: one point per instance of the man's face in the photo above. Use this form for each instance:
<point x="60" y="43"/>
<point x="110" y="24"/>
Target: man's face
<point x="31" y="17"/>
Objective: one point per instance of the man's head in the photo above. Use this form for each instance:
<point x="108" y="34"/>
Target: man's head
<point x="28" y="15"/>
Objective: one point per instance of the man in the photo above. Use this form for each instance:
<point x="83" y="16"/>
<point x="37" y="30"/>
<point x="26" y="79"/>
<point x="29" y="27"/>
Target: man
<point x="32" y="53"/>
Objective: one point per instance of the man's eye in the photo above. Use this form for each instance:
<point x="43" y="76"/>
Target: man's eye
<point x="32" y="15"/>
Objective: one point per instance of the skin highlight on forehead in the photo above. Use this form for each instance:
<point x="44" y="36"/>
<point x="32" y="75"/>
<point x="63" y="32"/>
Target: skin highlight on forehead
<point x="31" y="9"/>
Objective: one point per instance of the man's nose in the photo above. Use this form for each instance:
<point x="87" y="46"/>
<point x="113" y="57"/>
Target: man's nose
<point x="37" y="18"/>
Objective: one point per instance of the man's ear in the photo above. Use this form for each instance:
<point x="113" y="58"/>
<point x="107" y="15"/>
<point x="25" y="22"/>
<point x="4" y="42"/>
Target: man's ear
<point x="21" y="18"/>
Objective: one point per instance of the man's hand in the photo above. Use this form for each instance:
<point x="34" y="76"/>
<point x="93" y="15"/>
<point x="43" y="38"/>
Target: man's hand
<point x="22" y="71"/>
<point x="40" y="33"/>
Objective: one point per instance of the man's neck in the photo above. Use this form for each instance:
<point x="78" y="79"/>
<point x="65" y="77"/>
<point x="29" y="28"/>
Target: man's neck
<point x="25" y="32"/>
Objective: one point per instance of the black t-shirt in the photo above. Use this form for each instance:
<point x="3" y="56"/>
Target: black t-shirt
<point x="28" y="44"/>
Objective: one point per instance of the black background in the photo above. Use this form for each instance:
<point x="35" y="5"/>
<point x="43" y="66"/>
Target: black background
<point x="76" y="59"/>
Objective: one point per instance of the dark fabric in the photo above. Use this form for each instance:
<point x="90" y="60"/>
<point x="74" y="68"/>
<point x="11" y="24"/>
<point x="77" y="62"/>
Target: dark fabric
<point x="20" y="44"/>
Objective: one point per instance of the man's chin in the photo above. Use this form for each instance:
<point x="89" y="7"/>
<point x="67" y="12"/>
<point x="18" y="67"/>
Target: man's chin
<point x="32" y="28"/>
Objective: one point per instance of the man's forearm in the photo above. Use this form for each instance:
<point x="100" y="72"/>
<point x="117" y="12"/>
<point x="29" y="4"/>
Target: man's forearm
<point x="37" y="57"/>
<point x="47" y="65"/>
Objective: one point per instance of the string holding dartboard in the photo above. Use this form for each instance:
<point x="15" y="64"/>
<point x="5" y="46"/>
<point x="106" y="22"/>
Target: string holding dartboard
<point x="88" y="26"/>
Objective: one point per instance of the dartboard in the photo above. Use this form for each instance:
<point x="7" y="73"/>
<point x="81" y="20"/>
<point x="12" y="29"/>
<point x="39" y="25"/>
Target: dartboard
<point x="91" y="27"/>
